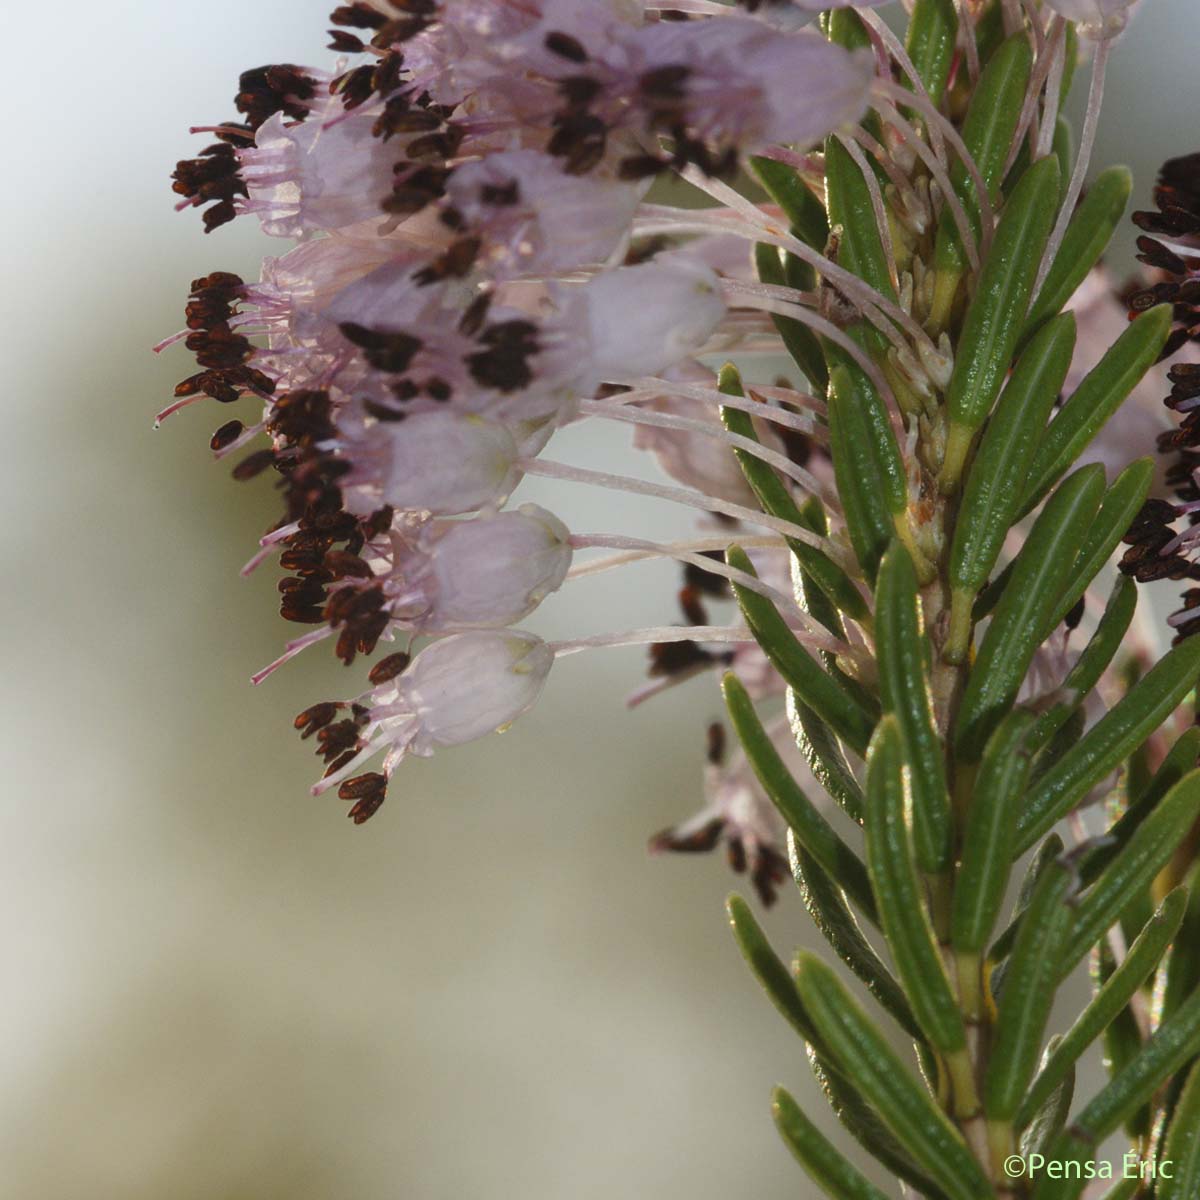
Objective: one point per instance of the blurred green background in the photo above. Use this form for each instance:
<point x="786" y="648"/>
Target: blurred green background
<point x="215" y="987"/>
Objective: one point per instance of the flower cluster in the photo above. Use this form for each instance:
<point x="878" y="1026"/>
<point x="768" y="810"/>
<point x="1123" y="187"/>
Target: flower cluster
<point x="480" y="262"/>
<point x="1170" y="246"/>
<point x="476" y="268"/>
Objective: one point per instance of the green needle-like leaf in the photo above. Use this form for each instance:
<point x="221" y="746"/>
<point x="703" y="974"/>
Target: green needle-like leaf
<point x="901" y="650"/>
<point x="1050" y="1116"/>
<point x="1103" y="390"/>
<point x="812" y="831"/>
<point x="850" y="206"/>
<point x="1143" y="957"/>
<point x="876" y="1070"/>
<point x="1145" y="854"/>
<point x="1028" y="994"/>
<point x="1176" y="1041"/>
<point x="996" y="481"/>
<point x="1109" y="742"/>
<point x="988" y="131"/>
<point x="1182" y="1146"/>
<point x="1122" y="1039"/>
<point x="1182" y="975"/>
<point x="1120" y="505"/>
<point x="798" y="340"/>
<point x="1042" y="860"/>
<point x="1183" y="757"/>
<point x="1085" y="240"/>
<point x="776" y="499"/>
<point x="820" y="691"/>
<point x="834" y="918"/>
<point x="867" y="466"/>
<point x="826" y="1165"/>
<point x="805" y="213"/>
<point x="1018" y="624"/>
<point x="863" y="1124"/>
<point x="894" y="879"/>
<point x="765" y="965"/>
<point x="930" y="43"/>
<point x="996" y="314"/>
<point x="1092" y="662"/>
<point x="824" y="757"/>
<point x="987" y="841"/>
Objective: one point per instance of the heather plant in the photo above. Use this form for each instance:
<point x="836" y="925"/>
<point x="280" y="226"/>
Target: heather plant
<point x="845" y="284"/>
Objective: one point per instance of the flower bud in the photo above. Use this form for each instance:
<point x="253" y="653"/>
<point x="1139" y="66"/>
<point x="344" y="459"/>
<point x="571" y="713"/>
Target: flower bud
<point x="467" y="685"/>
<point x="747" y="84"/>
<point x="495" y="570"/>
<point x="437" y="462"/>
<point x="640" y="320"/>
<point x="1097" y="19"/>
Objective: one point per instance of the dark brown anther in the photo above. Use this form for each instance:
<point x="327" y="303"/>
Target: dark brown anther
<point x="665" y="83"/>
<point x="565" y="46"/>
<point x="701" y="841"/>
<point x="386" y="669"/>
<point x="358" y="16"/>
<point x="362" y="785"/>
<point x="398" y="118"/>
<point x="579" y="90"/>
<point x="381" y="412"/>
<point x="338" y="763"/>
<point x="379" y="522"/>
<point x="501" y="195"/>
<point x="344" y="43"/>
<point x="505" y="364"/>
<point x="580" y="138"/>
<point x="641" y="166"/>
<point x="355" y="87"/>
<point x="435" y="147"/>
<point x="1072" y="619"/>
<point x="735" y="852"/>
<point x="1172" y="224"/>
<point x="691" y="606"/>
<point x="281" y="88"/>
<point x="253" y="465"/>
<point x="475" y="315"/>
<point x="1151" y="521"/>
<point x="343" y="564"/>
<point x="674" y="658"/>
<point x="333" y="740"/>
<point x="346" y="647"/>
<point x="438" y="389"/>
<point x="301" y="614"/>
<point x="389" y="75"/>
<point x="1155" y="254"/>
<point x="715" y="750"/>
<point x="370" y="631"/>
<point x="226" y="435"/>
<point x="453" y="263"/>
<point x="386" y="351"/>
<point x="704" y="581"/>
<point x="316" y="717"/>
<point x="770" y="871"/>
<point x="367" y="807"/>
<point x="643" y="250"/>
<point x="301" y="559"/>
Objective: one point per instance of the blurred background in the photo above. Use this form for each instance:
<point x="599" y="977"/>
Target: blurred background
<point x="214" y="986"/>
